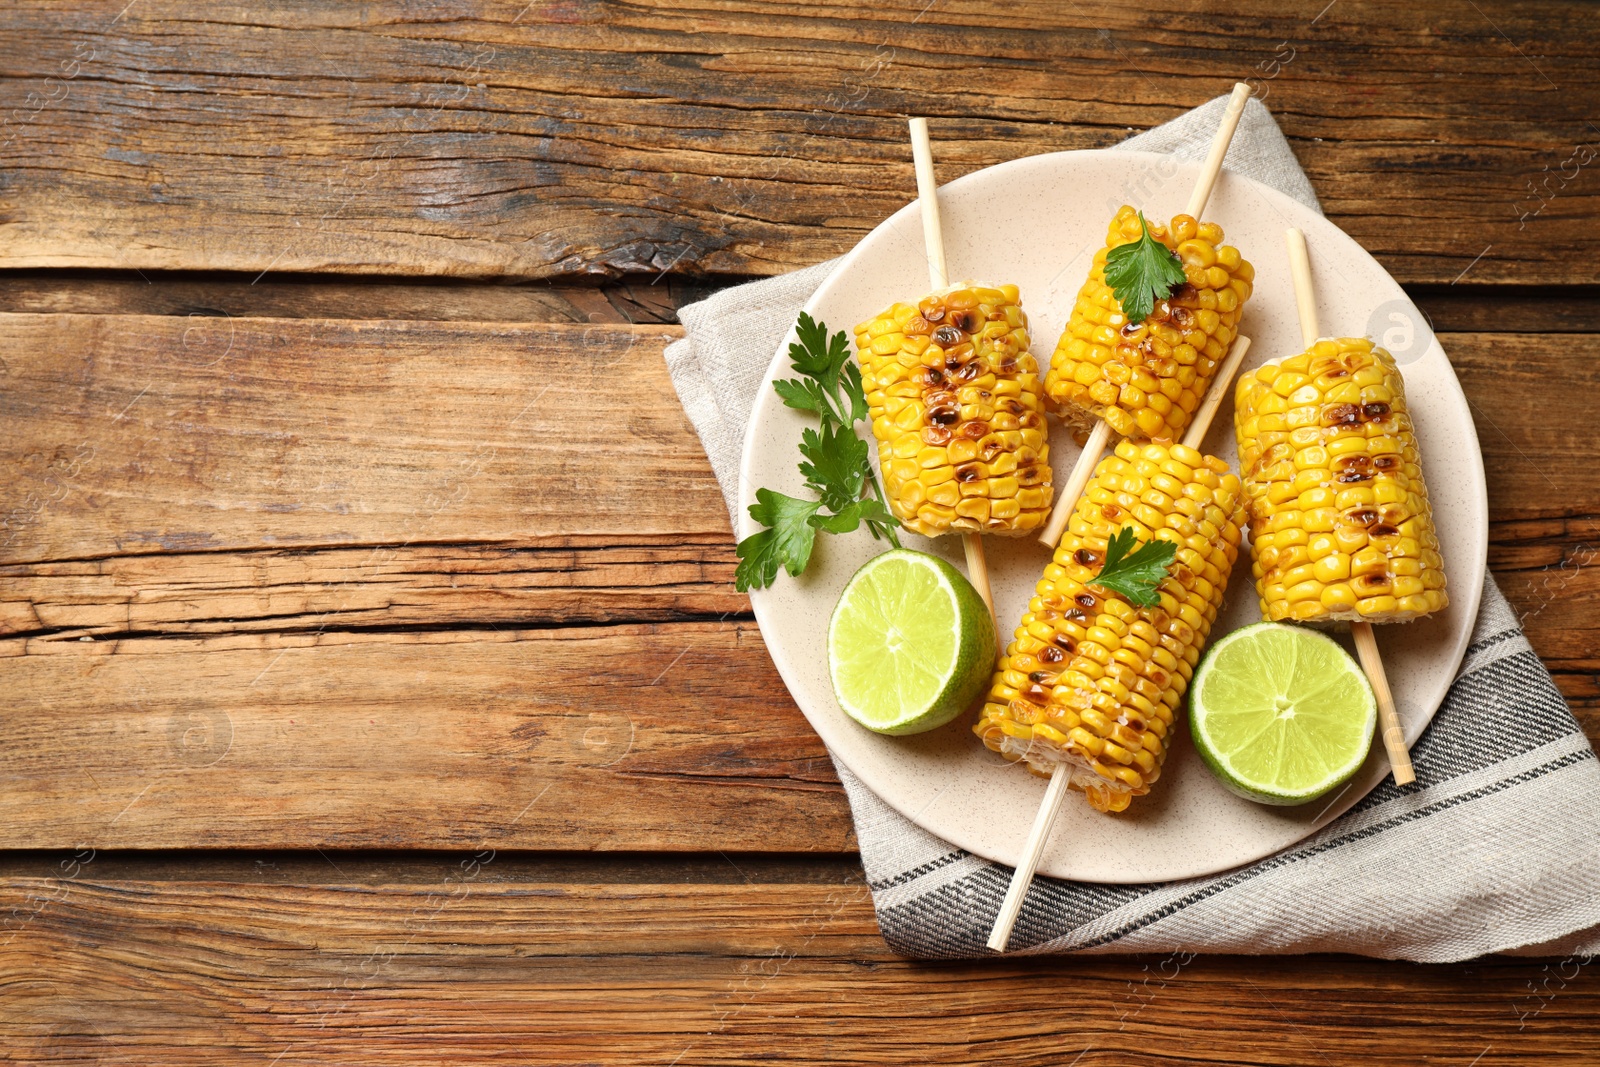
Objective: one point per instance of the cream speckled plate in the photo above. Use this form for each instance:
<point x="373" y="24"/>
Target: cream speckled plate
<point x="1036" y="222"/>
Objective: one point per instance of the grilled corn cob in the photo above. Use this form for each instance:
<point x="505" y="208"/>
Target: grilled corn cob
<point x="954" y="398"/>
<point x="1340" y="526"/>
<point x="1091" y="680"/>
<point x="1146" y="380"/>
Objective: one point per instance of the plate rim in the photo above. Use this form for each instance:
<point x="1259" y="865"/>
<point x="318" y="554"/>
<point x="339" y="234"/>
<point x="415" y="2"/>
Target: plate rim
<point x="1478" y="564"/>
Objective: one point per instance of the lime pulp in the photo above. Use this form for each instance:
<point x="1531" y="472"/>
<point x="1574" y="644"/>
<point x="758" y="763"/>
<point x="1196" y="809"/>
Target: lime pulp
<point x="911" y="643"/>
<point x="1281" y="714"/>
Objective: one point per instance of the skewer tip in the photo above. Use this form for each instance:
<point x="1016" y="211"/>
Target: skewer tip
<point x="928" y="196"/>
<point x="1305" y="297"/>
<point x="1219" y="149"/>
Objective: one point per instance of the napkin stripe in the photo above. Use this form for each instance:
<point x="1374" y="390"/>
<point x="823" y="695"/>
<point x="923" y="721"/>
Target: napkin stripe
<point x="912" y="875"/>
<point x="1297" y="855"/>
<point x="932" y="926"/>
<point x="1504" y="635"/>
<point x="1474" y="729"/>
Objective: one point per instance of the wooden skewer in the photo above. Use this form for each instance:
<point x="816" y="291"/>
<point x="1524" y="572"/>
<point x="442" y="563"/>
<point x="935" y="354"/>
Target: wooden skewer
<point x="1219" y="148"/>
<point x="1050" y="807"/>
<point x="928" y="201"/>
<point x="1214" y="395"/>
<point x="1101" y="436"/>
<point x="1394" y="737"/>
<point x="1082" y="471"/>
<point x="1022" y="877"/>
<point x="939" y="276"/>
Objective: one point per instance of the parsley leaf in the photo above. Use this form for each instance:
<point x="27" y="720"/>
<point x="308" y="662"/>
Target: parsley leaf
<point x="836" y="465"/>
<point x="787" y="543"/>
<point x="856" y="394"/>
<point x="1142" y="272"/>
<point x="834" y="460"/>
<point x="816" y="355"/>
<point x="1137" y="575"/>
<point x="801" y="395"/>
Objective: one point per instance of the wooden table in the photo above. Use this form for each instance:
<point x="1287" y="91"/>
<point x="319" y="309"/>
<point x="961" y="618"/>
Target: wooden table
<point x="377" y="687"/>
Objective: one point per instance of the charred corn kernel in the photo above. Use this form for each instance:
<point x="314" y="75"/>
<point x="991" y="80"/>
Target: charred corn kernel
<point x="1090" y="680"/>
<point x="957" y="408"/>
<point x="1347" y="456"/>
<point x="1146" y="379"/>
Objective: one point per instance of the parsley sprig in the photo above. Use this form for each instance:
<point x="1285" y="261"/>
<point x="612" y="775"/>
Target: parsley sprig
<point x="1142" y="272"/>
<point x="1135" y="575"/>
<point x="834" y="460"/>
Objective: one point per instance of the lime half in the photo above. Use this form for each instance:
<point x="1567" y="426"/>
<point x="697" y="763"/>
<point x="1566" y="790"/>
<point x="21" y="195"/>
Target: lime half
<point x="1281" y="714"/>
<point x="910" y="645"/>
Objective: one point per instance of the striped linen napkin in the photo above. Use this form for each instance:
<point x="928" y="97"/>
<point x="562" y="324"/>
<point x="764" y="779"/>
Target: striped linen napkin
<point x="1496" y="848"/>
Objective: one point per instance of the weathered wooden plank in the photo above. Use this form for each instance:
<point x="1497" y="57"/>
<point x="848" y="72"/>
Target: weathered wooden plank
<point x="101" y="970"/>
<point x="670" y="737"/>
<point x="673" y="738"/>
<point x="1543" y="566"/>
<point x="1527" y="395"/>
<point x="434" y="586"/>
<point x="1548" y="570"/>
<point x="647" y="738"/>
<point x="1506" y="309"/>
<point x="370" y="867"/>
<point x="152" y="434"/>
<point x="268" y="741"/>
<point x="516" y="139"/>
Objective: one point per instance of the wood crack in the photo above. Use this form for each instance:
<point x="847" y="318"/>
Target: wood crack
<point x="509" y="624"/>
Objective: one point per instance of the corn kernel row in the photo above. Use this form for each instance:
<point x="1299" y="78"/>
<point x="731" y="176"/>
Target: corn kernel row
<point x="1147" y="379"/>
<point x="1340" y="524"/>
<point x="955" y="403"/>
<point x="1090" y="680"/>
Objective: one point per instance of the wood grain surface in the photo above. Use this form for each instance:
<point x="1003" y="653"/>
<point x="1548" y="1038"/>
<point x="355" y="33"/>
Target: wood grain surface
<point x="665" y="737"/>
<point x="287" y="577"/>
<point x="169" y="434"/>
<point x="376" y="688"/>
<point x="512" y="139"/>
<point x="100" y="971"/>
